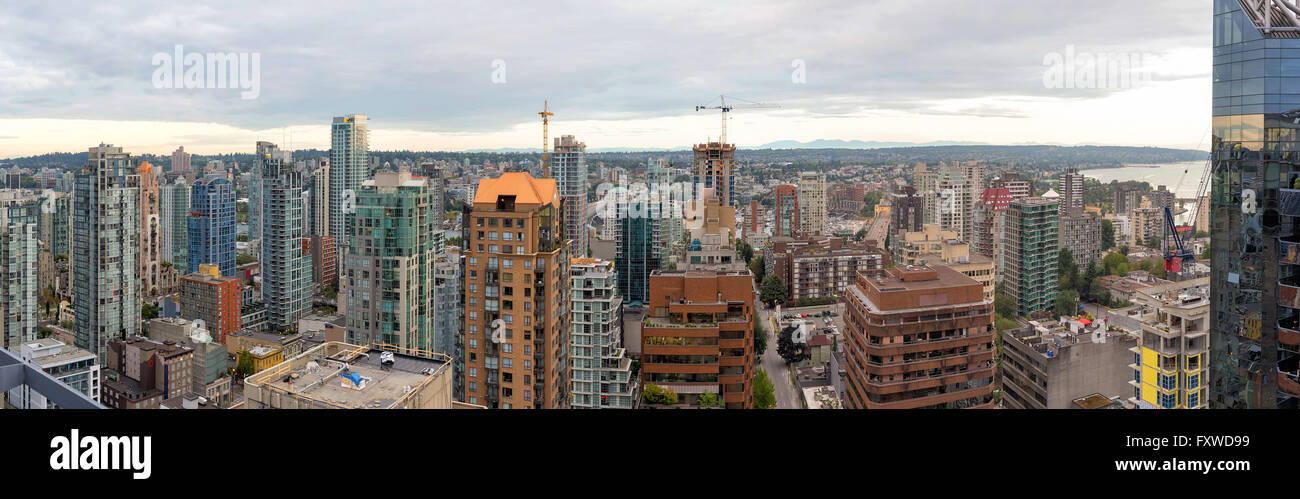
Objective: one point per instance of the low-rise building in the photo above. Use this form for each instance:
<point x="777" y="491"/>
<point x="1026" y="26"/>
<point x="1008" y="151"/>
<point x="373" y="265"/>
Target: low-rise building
<point x="140" y="373"/>
<point x="820" y="269"/>
<point x="1047" y="365"/>
<point x="342" y="376"/>
<point x="211" y="378"/>
<point x="75" y="367"/>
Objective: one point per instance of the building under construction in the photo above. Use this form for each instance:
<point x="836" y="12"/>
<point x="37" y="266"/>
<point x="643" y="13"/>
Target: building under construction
<point x="715" y="168"/>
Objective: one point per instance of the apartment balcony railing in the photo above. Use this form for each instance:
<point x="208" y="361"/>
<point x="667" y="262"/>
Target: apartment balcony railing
<point x="1289" y="202"/>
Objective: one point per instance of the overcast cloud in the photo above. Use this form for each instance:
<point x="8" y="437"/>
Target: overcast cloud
<point x="632" y="69"/>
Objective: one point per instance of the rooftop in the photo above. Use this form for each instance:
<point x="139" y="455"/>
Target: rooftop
<point x="322" y="377"/>
<point x="525" y="188"/>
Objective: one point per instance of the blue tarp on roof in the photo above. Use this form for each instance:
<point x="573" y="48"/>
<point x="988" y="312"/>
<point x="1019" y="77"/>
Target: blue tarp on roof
<point x="356" y="378"/>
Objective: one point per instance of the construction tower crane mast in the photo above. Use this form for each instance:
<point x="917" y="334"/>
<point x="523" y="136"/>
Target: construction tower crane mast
<point x="546" y="156"/>
<point x="726" y="108"/>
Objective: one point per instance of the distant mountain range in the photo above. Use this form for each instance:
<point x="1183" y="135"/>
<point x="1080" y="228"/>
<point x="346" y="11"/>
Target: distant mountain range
<point x="780" y="144"/>
<point x="856" y="144"/>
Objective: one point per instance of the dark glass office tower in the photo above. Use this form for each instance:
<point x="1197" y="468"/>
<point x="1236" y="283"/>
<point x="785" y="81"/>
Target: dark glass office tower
<point x="1255" y="282"/>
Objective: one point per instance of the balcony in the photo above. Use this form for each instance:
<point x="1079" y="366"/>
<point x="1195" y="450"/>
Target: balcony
<point x="1288" y="292"/>
<point x="1288" y="249"/>
<point x="1289" y="202"/>
<point x="1288" y="332"/>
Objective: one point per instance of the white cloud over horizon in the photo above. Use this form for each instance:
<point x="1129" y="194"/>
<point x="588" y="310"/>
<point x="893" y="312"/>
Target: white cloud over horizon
<point x="621" y="74"/>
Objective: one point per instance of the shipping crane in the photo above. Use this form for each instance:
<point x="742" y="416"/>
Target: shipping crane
<point x="726" y="108"/>
<point x="546" y="113"/>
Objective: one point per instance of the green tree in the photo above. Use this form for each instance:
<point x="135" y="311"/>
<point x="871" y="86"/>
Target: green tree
<point x="655" y="394"/>
<point x="773" y="290"/>
<point x="1205" y="254"/>
<point x="149" y="311"/>
<point x="758" y="266"/>
<point x="764" y="391"/>
<point x="760" y="336"/>
<point x="786" y="347"/>
<point x="861" y="233"/>
<point x="1107" y="235"/>
<point x="708" y="399"/>
<point x="244" y="258"/>
<point x="1004" y="305"/>
<point x="244" y="364"/>
<point x="1067" y="302"/>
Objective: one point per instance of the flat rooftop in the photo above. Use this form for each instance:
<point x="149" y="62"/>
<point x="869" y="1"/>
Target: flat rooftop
<point x="385" y="385"/>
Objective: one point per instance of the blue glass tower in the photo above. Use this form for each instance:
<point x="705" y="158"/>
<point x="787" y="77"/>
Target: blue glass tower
<point x="1255" y="203"/>
<point x="212" y="225"/>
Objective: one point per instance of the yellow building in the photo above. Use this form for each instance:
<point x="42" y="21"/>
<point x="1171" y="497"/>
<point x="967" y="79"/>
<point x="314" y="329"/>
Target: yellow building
<point x="264" y="357"/>
<point x="1169" y="367"/>
<point x="882" y="209"/>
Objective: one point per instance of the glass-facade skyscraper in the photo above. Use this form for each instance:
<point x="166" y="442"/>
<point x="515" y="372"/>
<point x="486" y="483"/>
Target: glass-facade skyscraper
<point x="1255" y="218"/>
<point x="285" y="263"/>
<point x="105" y="248"/>
<point x="212" y="225"/>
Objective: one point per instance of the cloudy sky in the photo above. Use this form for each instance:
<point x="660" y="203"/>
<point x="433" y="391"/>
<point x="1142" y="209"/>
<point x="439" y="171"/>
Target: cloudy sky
<point x="468" y="75"/>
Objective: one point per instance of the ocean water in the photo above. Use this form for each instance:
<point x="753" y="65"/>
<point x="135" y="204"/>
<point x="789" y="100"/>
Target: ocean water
<point x="1183" y="178"/>
<point x="1170" y="175"/>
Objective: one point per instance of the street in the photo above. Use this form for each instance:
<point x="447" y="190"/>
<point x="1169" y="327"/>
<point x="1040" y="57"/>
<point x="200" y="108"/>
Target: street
<point x="787" y="396"/>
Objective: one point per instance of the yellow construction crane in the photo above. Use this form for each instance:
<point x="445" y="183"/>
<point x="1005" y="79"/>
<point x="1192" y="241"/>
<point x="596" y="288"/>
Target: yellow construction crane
<point x="726" y="108"/>
<point x="546" y="156"/>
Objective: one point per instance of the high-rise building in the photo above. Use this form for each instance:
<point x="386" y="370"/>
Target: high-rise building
<point x="952" y="199"/>
<point x="180" y="160"/>
<point x="786" y="218"/>
<point x="1030" y="253"/>
<point x="1070" y="186"/>
<point x="175" y="216"/>
<point x="150" y="231"/>
<point x="812" y="204"/>
<point x="846" y="198"/>
<point x="349" y="165"/>
<point x="1171" y="362"/>
<point x="891" y="354"/>
<point x="972" y="173"/>
<point x="660" y="177"/>
<point x="926" y="182"/>
<point x="1019" y="188"/>
<point x="711" y="228"/>
<point x="715" y="168"/>
<point x="320" y="197"/>
<point x="906" y="210"/>
<point x="600" y="370"/>
<point x="55" y="229"/>
<point x="698" y="335"/>
<point x="208" y="296"/>
<point x="105" y="248"/>
<point x="1127" y="200"/>
<point x="19" y="217"/>
<point x="1255" y="217"/>
<point x="987" y="237"/>
<point x="638" y="250"/>
<point x="1148" y="227"/>
<point x="263" y="154"/>
<point x="1080" y="232"/>
<point x="324" y="270"/>
<point x="449" y="333"/>
<point x="1162" y="198"/>
<point x="285" y="262"/>
<point x="516" y="295"/>
<point x="569" y="168"/>
<point x="212" y="225"/>
<point x="388" y="277"/>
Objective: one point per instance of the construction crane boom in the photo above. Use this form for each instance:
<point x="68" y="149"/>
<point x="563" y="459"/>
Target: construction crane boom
<point x="546" y="156"/>
<point x="726" y="108"/>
